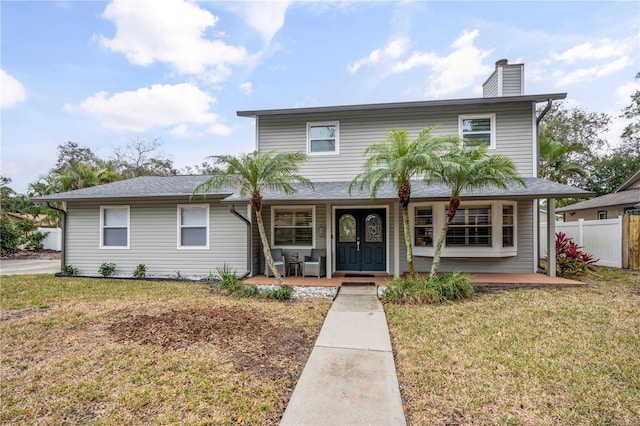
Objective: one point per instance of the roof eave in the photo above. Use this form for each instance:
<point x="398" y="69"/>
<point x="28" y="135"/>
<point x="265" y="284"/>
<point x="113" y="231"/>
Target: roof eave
<point x="404" y="105"/>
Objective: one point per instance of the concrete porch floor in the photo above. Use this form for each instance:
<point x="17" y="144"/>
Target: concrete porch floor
<point x="480" y="280"/>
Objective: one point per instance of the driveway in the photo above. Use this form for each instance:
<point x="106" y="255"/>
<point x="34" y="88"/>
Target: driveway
<point x="29" y="266"/>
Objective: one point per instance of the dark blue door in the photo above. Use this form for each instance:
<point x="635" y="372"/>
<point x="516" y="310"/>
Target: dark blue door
<point x="361" y="244"/>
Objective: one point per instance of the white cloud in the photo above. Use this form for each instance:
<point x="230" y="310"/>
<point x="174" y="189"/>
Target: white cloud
<point x="393" y="50"/>
<point x="625" y="92"/>
<point x="588" y="74"/>
<point x="454" y="72"/>
<point x="266" y="17"/>
<point x="246" y="87"/>
<point x="12" y="90"/>
<point x="182" y="106"/>
<point x="588" y="51"/>
<point x="173" y="32"/>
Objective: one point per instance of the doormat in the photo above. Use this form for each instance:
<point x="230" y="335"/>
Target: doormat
<point x="359" y="276"/>
<point x="357" y="284"/>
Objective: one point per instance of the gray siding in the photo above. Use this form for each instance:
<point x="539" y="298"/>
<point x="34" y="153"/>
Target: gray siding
<point x="512" y="83"/>
<point x="153" y="241"/>
<point x="490" y="87"/>
<point x="514" y="124"/>
<point x="523" y="262"/>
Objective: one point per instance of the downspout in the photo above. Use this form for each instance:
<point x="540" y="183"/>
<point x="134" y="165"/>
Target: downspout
<point x="538" y="120"/>
<point x="232" y="210"/>
<point x="63" y="242"/>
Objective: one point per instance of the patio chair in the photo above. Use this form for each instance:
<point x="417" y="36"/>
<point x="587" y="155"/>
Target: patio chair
<point x="281" y="263"/>
<point x="315" y="263"/>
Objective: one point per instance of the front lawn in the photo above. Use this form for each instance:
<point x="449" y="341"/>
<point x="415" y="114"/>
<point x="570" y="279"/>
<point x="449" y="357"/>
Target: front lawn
<point x="102" y="351"/>
<point x="524" y="357"/>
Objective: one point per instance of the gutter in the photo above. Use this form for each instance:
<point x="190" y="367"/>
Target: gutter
<point x="232" y="210"/>
<point x="537" y="168"/>
<point x="63" y="225"/>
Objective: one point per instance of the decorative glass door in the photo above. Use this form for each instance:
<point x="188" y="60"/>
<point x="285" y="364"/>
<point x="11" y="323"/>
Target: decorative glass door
<point x="360" y="244"/>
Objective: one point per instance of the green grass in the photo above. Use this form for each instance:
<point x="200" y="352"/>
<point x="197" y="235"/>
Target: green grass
<point x="524" y="357"/>
<point x="60" y="363"/>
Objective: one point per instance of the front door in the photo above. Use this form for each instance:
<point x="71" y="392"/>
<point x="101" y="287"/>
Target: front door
<point x="361" y="244"/>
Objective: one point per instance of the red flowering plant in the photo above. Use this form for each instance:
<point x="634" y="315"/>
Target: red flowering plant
<point x="570" y="259"/>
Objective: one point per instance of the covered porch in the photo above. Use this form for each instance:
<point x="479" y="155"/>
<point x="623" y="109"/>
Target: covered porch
<point x="480" y="280"/>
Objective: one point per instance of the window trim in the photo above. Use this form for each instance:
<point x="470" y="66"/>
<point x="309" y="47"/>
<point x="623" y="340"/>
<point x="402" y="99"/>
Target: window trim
<point x="102" y="227"/>
<point x="293" y="208"/>
<point x="179" y="227"/>
<point x="604" y="213"/>
<point x="439" y="217"/>
<point x="492" y="132"/>
<point x="311" y="124"/>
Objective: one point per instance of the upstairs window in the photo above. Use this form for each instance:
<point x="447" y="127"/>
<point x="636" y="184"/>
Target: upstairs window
<point x="479" y="128"/>
<point x="322" y="138"/>
<point x="114" y="227"/>
<point x="193" y="226"/>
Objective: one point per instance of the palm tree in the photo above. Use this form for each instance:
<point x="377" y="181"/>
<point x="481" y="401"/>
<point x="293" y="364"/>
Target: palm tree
<point x="468" y="166"/>
<point x="399" y="160"/>
<point x="555" y="160"/>
<point x="252" y="174"/>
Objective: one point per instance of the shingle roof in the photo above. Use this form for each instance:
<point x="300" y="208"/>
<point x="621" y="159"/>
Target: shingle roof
<point x="630" y="197"/>
<point x="182" y="186"/>
<point x="144" y="186"/>
<point x="340" y="191"/>
<point x="629" y="182"/>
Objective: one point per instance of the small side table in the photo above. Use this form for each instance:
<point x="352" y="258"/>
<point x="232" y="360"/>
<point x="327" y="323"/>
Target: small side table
<point x="295" y="266"/>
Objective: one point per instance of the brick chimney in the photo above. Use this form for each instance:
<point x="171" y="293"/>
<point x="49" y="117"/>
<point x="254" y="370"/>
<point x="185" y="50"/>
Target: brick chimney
<point x="506" y="80"/>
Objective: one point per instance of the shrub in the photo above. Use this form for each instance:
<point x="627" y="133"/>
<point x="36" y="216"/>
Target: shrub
<point x="140" y="271"/>
<point x="283" y="292"/>
<point x="70" y="271"/>
<point x="34" y="240"/>
<point x="570" y="258"/>
<point x="10" y="236"/>
<point x="422" y="290"/>
<point x="107" y="269"/>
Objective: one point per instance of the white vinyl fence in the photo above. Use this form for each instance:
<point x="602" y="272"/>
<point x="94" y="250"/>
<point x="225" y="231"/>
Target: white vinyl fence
<point x="600" y="238"/>
<point x="53" y="240"/>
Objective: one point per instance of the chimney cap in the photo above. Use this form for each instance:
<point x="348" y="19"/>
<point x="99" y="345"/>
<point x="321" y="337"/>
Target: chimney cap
<point x="501" y="62"/>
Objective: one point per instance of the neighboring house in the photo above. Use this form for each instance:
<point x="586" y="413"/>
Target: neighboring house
<point x="623" y="200"/>
<point x="154" y="220"/>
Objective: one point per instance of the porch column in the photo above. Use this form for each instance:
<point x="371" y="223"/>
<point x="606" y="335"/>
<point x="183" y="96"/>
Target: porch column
<point x="551" y="237"/>
<point x="329" y="241"/>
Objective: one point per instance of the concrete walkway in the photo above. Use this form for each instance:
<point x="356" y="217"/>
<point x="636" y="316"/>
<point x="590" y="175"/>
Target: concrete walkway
<point x="350" y="377"/>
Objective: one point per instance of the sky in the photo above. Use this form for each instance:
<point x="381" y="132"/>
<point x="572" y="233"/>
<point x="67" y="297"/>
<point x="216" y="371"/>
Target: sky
<point x="103" y="73"/>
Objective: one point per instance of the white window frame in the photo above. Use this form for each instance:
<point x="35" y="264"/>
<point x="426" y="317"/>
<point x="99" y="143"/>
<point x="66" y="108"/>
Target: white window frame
<point x="293" y="208"/>
<point x="102" y="227"/>
<point x="603" y="214"/>
<point x="492" y="133"/>
<point x="179" y="226"/>
<point x="337" y="138"/>
<point x="439" y="216"/>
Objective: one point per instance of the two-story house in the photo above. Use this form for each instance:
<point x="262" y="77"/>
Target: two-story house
<point x="153" y="220"/>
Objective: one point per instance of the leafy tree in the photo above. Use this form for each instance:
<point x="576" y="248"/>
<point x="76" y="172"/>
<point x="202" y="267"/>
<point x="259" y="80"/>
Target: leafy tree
<point x="580" y="133"/>
<point x="631" y="133"/>
<point x="11" y="201"/>
<point x="468" y="166"/>
<point x="398" y="160"/>
<point x="142" y="158"/>
<point x="204" y="168"/>
<point x="252" y="174"/>
<point x="70" y="154"/>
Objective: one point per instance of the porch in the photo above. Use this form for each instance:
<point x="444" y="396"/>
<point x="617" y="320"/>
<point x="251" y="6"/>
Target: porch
<point x="480" y="280"/>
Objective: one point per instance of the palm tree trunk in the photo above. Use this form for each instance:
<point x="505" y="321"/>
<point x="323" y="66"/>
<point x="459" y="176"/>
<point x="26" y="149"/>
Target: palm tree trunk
<point x="266" y="249"/>
<point x="407" y="240"/>
<point x="436" y="255"/>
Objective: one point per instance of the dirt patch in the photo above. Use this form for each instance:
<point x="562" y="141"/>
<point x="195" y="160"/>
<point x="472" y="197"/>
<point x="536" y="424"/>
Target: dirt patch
<point x="21" y="313"/>
<point x="259" y="344"/>
<point x="35" y="255"/>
